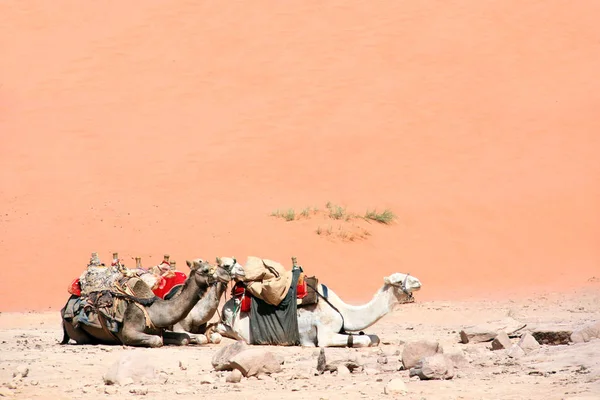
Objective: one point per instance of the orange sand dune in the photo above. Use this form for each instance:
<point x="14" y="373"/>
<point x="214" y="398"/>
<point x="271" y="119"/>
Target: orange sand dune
<point x="153" y="127"/>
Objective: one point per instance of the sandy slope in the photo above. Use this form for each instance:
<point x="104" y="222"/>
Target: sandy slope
<point x="179" y="127"/>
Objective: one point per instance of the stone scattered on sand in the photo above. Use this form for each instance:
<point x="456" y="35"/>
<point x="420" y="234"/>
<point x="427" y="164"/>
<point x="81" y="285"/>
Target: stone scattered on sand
<point x="458" y="359"/>
<point x="21" y="372"/>
<point x="138" y="390"/>
<point x="414" y="351"/>
<point x="382" y="360"/>
<point x="342" y="370"/>
<point x="587" y="333"/>
<point x="552" y="334"/>
<point x="234" y="376"/>
<point x="438" y="366"/>
<point x="132" y="367"/>
<point x="488" y="331"/>
<point x="528" y="343"/>
<point x="395" y="386"/>
<point x="321" y="361"/>
<point x="182" y="365"/>
<point x="501" y="341"/>
<point x="253" y="362"/>
<point x="206" y="379"/>
<point x="351" y="362"/>
<point x="371" y="371"/>
<point x="183" y="391"/>
<point x="515" y="352"/>
<point x="110" y="390"/>
<point x="221" y="361"/>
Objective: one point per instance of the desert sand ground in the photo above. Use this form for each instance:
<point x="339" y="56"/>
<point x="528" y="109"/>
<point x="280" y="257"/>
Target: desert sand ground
<point x="552" y="372"/>
<point x="180" y="127"/>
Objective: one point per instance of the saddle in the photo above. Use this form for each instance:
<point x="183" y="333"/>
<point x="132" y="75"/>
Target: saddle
<point x="306" y="292"/>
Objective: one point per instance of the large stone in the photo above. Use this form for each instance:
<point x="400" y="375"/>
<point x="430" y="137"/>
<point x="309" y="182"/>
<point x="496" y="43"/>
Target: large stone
<point x="414" y="351"/>
<point x="438" y="366"/>
<point x="552" y="335"/>
<point x="587" y="333"/>
<point x="234" y="376"/>
<point x="501" y="341"/>
<point x="221" y="361"/>
<point x="515" y="352"/>
<point x="528" y="343"/>
<point x="458" y="359"/>
<point x="395" y="386"/>
<point x="253" y="362"/>
<point x="132" y="367"/>
<point x="321" y="361"/>
<point x="488" y="331"/>
<point x="350" y="362"/>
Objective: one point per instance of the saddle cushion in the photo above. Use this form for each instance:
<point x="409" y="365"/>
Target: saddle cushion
<point x="168" y="283"/>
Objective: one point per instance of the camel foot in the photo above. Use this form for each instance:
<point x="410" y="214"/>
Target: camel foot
<point x="198" y="339"/>
<point x="215" y="338"/>
<point x="176" y="338"/>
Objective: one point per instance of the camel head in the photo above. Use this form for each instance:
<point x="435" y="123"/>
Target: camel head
<point x="203" y="272"/>
<point x="236" y="271"/>
<point x="403" y="284"/>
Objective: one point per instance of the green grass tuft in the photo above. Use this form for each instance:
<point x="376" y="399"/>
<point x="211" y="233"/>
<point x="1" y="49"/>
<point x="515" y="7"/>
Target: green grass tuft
<point x="385" y="217"/>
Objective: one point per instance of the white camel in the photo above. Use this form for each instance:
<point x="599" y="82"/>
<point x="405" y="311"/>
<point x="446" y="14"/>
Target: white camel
<point x="320" y="325"/>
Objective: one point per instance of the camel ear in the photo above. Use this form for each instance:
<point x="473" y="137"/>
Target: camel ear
<point x="218" y="259"/>
<point x="387" y="281"/>
<point x="189" y="263"/>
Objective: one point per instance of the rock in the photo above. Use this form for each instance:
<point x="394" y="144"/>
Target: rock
<point x="14" y="384"/>
<point x="206" y="379"/>
<point x="515" y="352"/>
<point x="110" y="390"/>
<point x="371" y="371"/>
<point x="234" y="376"/>
<point x="5" y="392"/>
<point x="414" y="351"/>
<point x="488" y="331"/>
<point x="382" y="360"/>
<point x="458" y="359"/>
<point x="221" y="361"/>
<point x="253" y="362"/>
<point x="438" y="366"/>
<point x="501" y="341"/>
<point x="132" y="367"/>
<point x="138" y="390"/>
<point x="182" y="391"/>
<point x="551" y="336"/>
<point x="528" y="343"/>
<point x="182" y="365"/>
<point x="342" y="370"/>
<point x="395" y="386"/>
<point x="587" y="333"/>
<point x="21" y="371"/>
<point x="352" y="363"/>
<point x="321" y="361"/>
<point x="34" y="383"/>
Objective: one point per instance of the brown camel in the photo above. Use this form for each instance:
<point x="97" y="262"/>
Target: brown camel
<point x="162" y="314"/>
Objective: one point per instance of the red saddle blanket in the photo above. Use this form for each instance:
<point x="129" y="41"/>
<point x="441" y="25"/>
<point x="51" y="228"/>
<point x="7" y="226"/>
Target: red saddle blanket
<point x="165" y="289"/>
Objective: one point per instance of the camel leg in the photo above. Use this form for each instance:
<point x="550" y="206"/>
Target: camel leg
<point x="329" y="339"/>
<point x="132" y="337"/>
<point x="194" y="338"/>
<point x="176" y="338"/>
<point x="77" y="334"/>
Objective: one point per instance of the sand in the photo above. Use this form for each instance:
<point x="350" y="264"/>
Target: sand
<point x="180" y="128"/>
